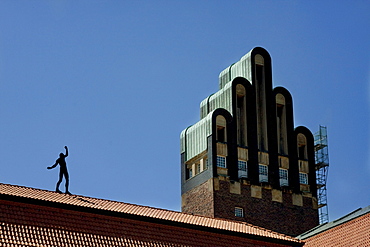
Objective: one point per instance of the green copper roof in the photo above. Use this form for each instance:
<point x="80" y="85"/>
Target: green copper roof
<point x="242" y="68"/>
<point x="221" y="99"/>
<point x="194" y="138"/>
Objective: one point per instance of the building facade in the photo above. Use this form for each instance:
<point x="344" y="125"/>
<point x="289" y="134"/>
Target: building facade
<point x="244" y="160"/>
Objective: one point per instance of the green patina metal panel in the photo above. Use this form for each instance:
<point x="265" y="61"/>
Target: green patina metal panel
<point x="242" y="68"/>
<point x="194" y="138"/>
<point x="221" y="99"/>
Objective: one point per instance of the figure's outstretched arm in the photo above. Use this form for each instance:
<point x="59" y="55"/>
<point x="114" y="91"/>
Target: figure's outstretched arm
<point x="53" y="166"/>
<point x="66" y="151"/>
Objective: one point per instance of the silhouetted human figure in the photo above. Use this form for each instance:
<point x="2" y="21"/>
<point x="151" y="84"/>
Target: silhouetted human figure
<point x="63" y="170"/>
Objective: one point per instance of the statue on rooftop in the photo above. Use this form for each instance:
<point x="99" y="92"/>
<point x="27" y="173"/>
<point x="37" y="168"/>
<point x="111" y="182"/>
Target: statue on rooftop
<point x="63" y="170"/>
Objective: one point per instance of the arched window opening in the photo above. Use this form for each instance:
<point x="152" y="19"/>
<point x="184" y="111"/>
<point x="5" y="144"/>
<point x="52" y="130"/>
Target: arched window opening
<point x="302" y="147"/>
<point x="261" y="103"/>
<point x="241" y="115"/>
<point x="281" y="124"/>
<point x="221" y="134"/>
<point x="259" y="60"/>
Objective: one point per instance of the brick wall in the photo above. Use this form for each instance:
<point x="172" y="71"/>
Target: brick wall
<point x="283" y="217"/>
<point x="199" y="200"/>
<point x="218" y="198"/>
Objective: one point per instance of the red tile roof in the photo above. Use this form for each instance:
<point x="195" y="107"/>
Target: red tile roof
<point x="351" y="230"/>
<point x="111" y="209"/>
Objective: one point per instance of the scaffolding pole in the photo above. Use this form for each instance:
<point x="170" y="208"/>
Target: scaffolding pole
<point x="322" y="167"/>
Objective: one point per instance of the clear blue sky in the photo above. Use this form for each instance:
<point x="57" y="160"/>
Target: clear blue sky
<point x="117" y="81"/>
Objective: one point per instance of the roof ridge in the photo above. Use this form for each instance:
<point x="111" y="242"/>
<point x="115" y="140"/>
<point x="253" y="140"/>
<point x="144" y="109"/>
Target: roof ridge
<point x="90" y="197"/>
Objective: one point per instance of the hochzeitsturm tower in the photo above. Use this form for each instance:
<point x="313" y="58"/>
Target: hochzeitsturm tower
<point x="244" y="160"/>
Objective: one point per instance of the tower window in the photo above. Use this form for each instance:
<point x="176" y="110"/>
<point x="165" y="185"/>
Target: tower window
<point x="242" y="165"/>
<point x="302" y="147"/>
<point x="198" y="168"/>
<point x="301" y="152"/>
<point x="283" y="176"/>
<point x="261" y="103"/>
<point x="241" y="116"/>
<point x="281" y="124"/>
<point x="239" y="212"/>
<point x="204" y="164"/>
<point x="221" y="134"/>
<point x="189" y="173"/>
<point x="303" y="178"/>
<point x="263" y="173"/>
<point x="263" y="169"/>
<point x="221" y="161"/>
<point x="242" y="169"/>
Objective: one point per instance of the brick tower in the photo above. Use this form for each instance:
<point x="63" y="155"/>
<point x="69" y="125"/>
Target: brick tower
<point x="244" y="160"/>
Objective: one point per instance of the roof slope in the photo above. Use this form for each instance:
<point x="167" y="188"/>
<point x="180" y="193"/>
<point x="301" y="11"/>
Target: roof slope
<point x="352" y="229"/>
<point x="144" y="213"/>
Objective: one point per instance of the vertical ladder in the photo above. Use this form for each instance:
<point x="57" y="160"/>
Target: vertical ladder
<point x="322" y="167"/>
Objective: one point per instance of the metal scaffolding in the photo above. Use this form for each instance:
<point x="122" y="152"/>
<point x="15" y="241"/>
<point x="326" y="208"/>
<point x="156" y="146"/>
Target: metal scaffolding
<point x="322" y="167"/>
